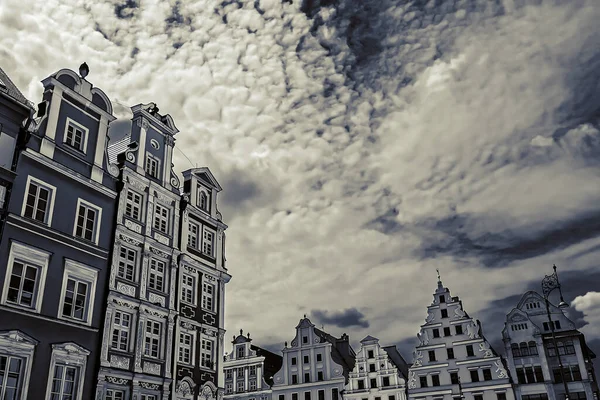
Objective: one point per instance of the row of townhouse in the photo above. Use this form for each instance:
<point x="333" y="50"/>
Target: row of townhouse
<point x="112" y="269"/>
<point x="453" y="360"/>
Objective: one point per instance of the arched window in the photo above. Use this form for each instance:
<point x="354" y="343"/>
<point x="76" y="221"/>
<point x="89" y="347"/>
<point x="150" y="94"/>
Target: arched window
<point x="524" y="349"/>
<point x="202" y="200"/>
<point x="515" y="350"/>
<point x="533" y="349"/>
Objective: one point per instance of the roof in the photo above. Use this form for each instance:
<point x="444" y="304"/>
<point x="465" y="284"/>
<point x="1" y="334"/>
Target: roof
<point x="397" y="360"/>
<point x="369" y="338"/>
<point x="117" y="148"/>
<point x="8" y="87"/>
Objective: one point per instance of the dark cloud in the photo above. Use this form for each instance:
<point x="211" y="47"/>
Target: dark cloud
<point x="126" y="10"/>
<point x="341" y="319"/>
<point x="119" y="129"/>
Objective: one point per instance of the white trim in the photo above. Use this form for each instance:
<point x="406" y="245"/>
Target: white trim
<point x="161" y="338"/>
<point x="430" y="367"/>
<point x="80" y="109"/>
<point x="131" y="331"/>
<point x="87" y="274"/>
<point x="97" y="221"/>
<point x="212" y="242"/>
<point x="193" y="334"/>
<point x="50" y="206"/>
<point x="213" y="350"/>
<point x="72" y="355"/>
<point x="194" y="289"/>
<point x="167" y="219"/>
<point x="69" y="173"/>
<point x="18" y="344"/>
<point x="45" y="318"/>
<point x="212" y="296"/>
<point x="36" y="257"/>
<point x="86" y="134"/>
<point x="157" y="161"/>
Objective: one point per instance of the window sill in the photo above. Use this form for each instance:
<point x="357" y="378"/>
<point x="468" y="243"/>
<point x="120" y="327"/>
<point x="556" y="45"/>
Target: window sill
<point x="20" y="307"/>
<point x="86" y="241"/>
<point x="185" y="303"/>
<point x="74" y="150"/>
<point x="75" y="320"/>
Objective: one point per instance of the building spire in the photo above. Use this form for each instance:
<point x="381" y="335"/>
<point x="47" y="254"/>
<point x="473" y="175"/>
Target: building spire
<point x="439" y="282"/>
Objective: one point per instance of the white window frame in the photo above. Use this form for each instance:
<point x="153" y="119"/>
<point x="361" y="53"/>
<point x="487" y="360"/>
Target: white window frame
<point x="229" y="388"/>
<point x="205" y="241"/>
<point x="17" y="344"/>
<point x="97" y="221"/>
<point x="207" y="339"/>
<point x="160" y="217"/>
<point x="113" y="390"/>
<point x="202" y="190"/>
<point x="149" y="157"/>
<point x="135" y="262"/>
<point x="70" y="354"/>
<point x="51" y="199"/>
<point x="195" y="235"/>
<point x="152" y="336"/>
<point x="130" y="329"/>
<point x="133" y="205"/>
<point x="185" y="287"/>
<point x="240" y="384"/>
<point x="191" y="346"/>
<point x="153" y="271"/>
<point x="85" y="134"/>
<point x="148" y="396"/>
<point x="79" y="272"/>
<point x="206" y="295"/>
<point x="29" y="255"/>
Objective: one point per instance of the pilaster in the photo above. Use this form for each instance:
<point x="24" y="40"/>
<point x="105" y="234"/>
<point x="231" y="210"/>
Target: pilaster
<point x="139" y="345"/>
<point x="144" y="273"/>
<point x="141" y="159"/>
<point x="170" y="324"/>
<point x="97" y="168"/>
<point x="104" y="361"/>
<point x="49" y="138"/>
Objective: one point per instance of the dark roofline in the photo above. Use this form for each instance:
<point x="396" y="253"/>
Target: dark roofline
<point x="12" y="92"/>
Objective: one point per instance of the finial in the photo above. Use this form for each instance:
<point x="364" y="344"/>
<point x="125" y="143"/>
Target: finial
<point x="285" y="344"/>
<point x="241" y="332"/>
<point x="248" y="335"/>
<point x="438" y="273"/>
<point x="84" y="70"/>
<point x="304" y="315"/>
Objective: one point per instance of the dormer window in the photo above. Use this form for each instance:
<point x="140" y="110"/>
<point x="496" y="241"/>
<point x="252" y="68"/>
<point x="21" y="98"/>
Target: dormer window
<point x="151" y="165"/>
<point x="202" y="200"/>
<point x="75" y="135"/>
<point x="240" y="351"/>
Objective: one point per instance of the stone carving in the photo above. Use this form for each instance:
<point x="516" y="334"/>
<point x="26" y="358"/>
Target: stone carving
<point x="129" y="240"/>
<point x="126" y="289"/>
<point x="294" y="343"/>
<point x="169" y="140"/>
<point x="134" y="183"/>
<point x="518" y="318"/>
<point x="130" y="152"/>
<point x="154" y="143"/>
<point x="150" y="386"/>
<point x="183" y="388"/>
<point x="125" y="304"/>
<point x="337" y="372"/>
<point x="161" y="198"/>
<point x="153" y="312"/>
<point x="317" y="340"/>
<point x="417" y="358"/>
<point x="473" y="329"/>
<point x="430" y="317"/>
<point x="154" y="298"/>
<point x="151" y="368"/>
<point x="208" y="332"/>
<point x="145" y="125"/>
<point x="159" y="253"/>
<point x="220" y="395"/>
<point x="500" y="370"/>
<point x="175" y="182"/>
<point x="161" y="239"/>
<point x="189" y="269"/>
<point x="137" y="228"/>
<point x="412" y="380"/>
<point x="119" y="362"/>
<point x="423" y="337"/>
<point x="207" y="393"/>
<point x="209" y="319"/>
<point x="113" y="169"/>
<point x="486" y="350"/>
<point x="459" y="313"/>
<point x="117" y="381"/>
<point x="186" y="325"/>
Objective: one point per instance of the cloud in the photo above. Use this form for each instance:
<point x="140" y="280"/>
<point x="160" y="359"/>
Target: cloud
<point x="589" y="305"/>
<point x="341" y="319"/>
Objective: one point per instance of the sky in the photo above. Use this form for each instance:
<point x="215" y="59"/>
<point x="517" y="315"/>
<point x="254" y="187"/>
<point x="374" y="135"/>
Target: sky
<point x="361" y="145"/>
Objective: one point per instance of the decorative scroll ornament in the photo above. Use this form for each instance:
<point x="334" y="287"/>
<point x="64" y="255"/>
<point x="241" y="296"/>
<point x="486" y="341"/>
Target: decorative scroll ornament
<point x="459" y="313"/>
<point x="150" y="386"/>
<point x="294" y="343"/>
<point x="183" y="388"/>
<point x="549" y="283"/>
<point x="175" y="182"/>
<point x="412" y="380"/>
<point x="485" y="348"/>
<point x="500" y="370"/>
<point x="518" y="318"/>
<point x="130" y="152"/>
<point x="169" y="140"/>
<point x="417" y="358"/>
<point x="117" y="381"/>
<point x="423" y="337"/>
<point x="473" y="329"/>
<point x="129" y="240"/>
<point x="430" y="317"/>
<point x="119" y="362"/>
<point x="134" y="183"/>
<point x="159" y="253"/>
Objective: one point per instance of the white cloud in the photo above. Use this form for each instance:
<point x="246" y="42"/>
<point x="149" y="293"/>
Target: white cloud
<point x="589" y="305"/>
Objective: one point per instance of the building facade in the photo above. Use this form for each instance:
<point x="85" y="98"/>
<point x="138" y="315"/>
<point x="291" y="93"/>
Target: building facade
<point x="54" y="253"/>
<point x="136" y="355"/>
<point x="249" y="370"/>
<point x="533" y="357"/>
<point x="379" y="374"/>
<point x="315" y="366"/>
<point x="201" y="279"/>
<point x="453" y="359"/>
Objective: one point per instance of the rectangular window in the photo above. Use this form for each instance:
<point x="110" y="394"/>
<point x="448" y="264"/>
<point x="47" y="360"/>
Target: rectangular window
<point x="501" y="396"/>
<point x="447" y="331"/>
<point x="373" y="382"/>
<point x="207" y="242"/>
<point x="282" y="397"/>
<point x="435" y="380"/>
<point x="305" y="360"/>
<point x="240" y="373"/>
<point x="240" y="386"/>
<point x="371" y="354"/>
<point x="75" y="300"/>
<point x="152" y="339"/>
<point x="539" y="375"/>
<point x="241" y="351"/>
<point x="75" y="135"/>
<point x="432" y="355"/>
<point x="391" y="397"/>
<point x="477" y="397"/>
<point x="294" y="361"/>
<point x="470" y="352"/>
<point x="454" y="378"/>
<point x="335" y="394"/>
<point x="206" y="356"/>
<point x="23" y="285"/>
<point x="306" y="377"/>
<point x="319" y="357"/>
<point x="157" y="275"/>
<point x="423" y="381"/>
<point x="38" y="203"/>
<point x="188" y="289"/>
<point x="148" y="397"/>
<point x="121" y="331"/>
<point x="474" y="375"/>
<point x="127" y="263"/>
<point x="252" y="384"/>
<point x="529" y="374"/>
<point x="294" y="379"/>
<point x="372" y="368"/>
<point x="386" y="381"/>
<point x="450" y="354"/>
<point x="306" y="395"/>
<point x="193" y="235"/>
<point x="151" y="166"/>
<point x="361" y="384"/>
<point x="304" y="339"/>
<point x="112" y="394"/>
<point x="442" y="299"/>
<point x="321" y="395"/>
<point x="521" y="376"/>
<point x="11" y="377"/>
<point x="208" y="293"/>
<point x="185" y="348"/>
<point x="319" y="375"/>
<point x="294" y="396"/>
<point x="161" y="218"/>
<point x="436" y="333"/>
<point x="487" y="374"/>
<point x="444" y="313"/>
<point x="458" y="329"/>
<point x="252" y="370"/>
<point x="133" y="206"/>
<point x="64" y="382"/>
<point x="88" y="221"/>
<point x="228" y="374"/>
<point x="228" y="388"/>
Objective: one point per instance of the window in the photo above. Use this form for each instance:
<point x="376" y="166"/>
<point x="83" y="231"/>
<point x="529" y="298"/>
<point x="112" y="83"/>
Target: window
<point x="501" y="396"/>
<point x="294" y="379"/>
<point x="64" y="382"/>
<point x="207" y="242"/>
<point x="539" y="375"/>
<point x="121" y="330"/>
<point x="306" y="377"/>
<point x="252" y="384"/>
<point x="321" y="394"/>
<point x="152" y="339"/>
<point x="127" y="263"/>
<point x="436" y="333"/>
<point x="133" y="205"/>
<point x="319" y="357"/>
<point x="306" y="395"/>
<point x="193" y="235"/>
<point x="442" y="299"/>
<point x="148" y="397"/>
<point x="521" y="376"/>
<point x="391" y="397"/>
<point x="474" y="375"/>
<point x="207" y="296"/>
<point x="78" y="288"/>
<point x="361" y="384"/>
<point x="304" y="339"/>
<point x="477" y="397"/>
<point x="529" y="374"/>
<point x="66" y="365"/>
<point x="252" y="370"/>
<point x="319" y="375"/>
<point x="282" y="397"/>
<point x="240" y="386"/>
<point x="569" y="347"/>
<point x="444" y="313"/>
<point x="470" y="352"/>
<point x="373" y="382"/>
<point x="240" y="373"/>
<point x="25" y="277"/>
<point x="206" y="356"/>
<point x="202" y="200"/>
<point x="294" y="362"/>
<point x="386" y="381"/>
<point x="294" y="396"/>
<point x="185" y="348"/>
<point x="112" y="394"/>
<point x="557" y="324"/>
<point x="11" y="377"/>
<point x="516" y="352"/>
<point x="487" y="374"/>
<point x="188" y="289"/>
<point x="240" y="351"/>
<point x="39" y="201"/>
<point x="454" y="378"/>
<point x="423" y="381"/>
<point x="450" y="354"/>
<point x="335" y="394"/>
<point x="161" y="218"/>
<point x="151" y="165"/>
<point x="533" y="348"/>
<point x="458" y="329"/>
<point x="551" y="349"/>
<point x="228" y="374"/>
<point x="431" y="355"/>
<point x="157" y="274"/>
<point x="372" y="368"/>
<point x="370" y="354"/>
<point x="435" y="380"/>
<point x="524" y="349"/>
<point x="447" y="331"/>
<point x="306" y="359"/>
<point x="540" y="396"/>
<point x="75" y="135"/>
<point x="87" y="225"/>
